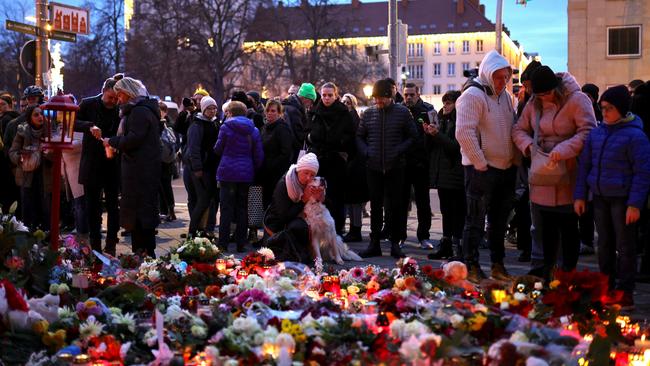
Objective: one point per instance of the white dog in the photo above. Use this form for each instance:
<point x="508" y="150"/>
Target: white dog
<point x="323" y="233"/>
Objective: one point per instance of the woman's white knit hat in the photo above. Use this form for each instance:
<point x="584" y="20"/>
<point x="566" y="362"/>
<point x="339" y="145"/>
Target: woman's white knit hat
<point x="308" y="162"/>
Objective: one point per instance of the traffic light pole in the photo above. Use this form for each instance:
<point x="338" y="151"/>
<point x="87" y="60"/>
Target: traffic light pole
<point x="41" y="42"/>
<point x="393" y="33"/>
<point x="499" y="27"/>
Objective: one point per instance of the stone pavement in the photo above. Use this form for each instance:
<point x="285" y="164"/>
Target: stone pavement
<point x="169" y="236"/>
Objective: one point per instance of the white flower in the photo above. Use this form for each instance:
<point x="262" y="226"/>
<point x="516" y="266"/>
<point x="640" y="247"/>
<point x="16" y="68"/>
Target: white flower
<point x="326" y="322"/>
<point x="18" y="225"/>
<point x="397" y="328"/>
<point x="456" y="320"/>
<point x="66" y="312"/>
<point x="285" y="340"/>
<point x="90" y="328"/>
<point x="269" y="335"/>
<point x="520" y="296"/>
<point x="505" y="305"/>
<point x="127" y="320"/>
<point x="199" y="331"/>
<point x="415" y="328"/>
<point x="410" y="349"/>
<point x="181" y="248"/>
<point x="267" y="253"/>
<point x="518" y="336"/>
<point x="151" y="337"/>
<point x="285" y="284"/>
<point x="198" y="241"/>
<point x="230" y="290"/>
<point x="539" y="286"/>
<point x="246" y="326"/>
<point x="174" y="313"/>
<point x="153" y="275"/>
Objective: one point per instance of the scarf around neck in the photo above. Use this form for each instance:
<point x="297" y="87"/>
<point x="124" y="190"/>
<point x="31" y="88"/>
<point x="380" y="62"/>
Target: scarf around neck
<point x="294" y="188"/>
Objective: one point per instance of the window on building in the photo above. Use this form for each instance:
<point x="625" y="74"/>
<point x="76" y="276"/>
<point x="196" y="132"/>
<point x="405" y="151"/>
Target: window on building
<point x="411" y="49"/>
<point x="465" y="46"/>
<point x="437" y="89"/>
<point x="419" y="49"/>
<point x="437" y="69"/>
<point x="624" y="41"/>
<point x="451" y="47"/>
<point x="415" y="71"/>
<point x="451" y="69"/>
<point x="436" y="48"/>
<point x="465" y="66"/>
<point x="479" y="45"/>
<point x="451" y="87"/>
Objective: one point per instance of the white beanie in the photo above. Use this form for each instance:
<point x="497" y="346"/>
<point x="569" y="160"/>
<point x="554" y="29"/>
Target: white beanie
<point x="206" y="102"/>
<point x="308" y="162"/>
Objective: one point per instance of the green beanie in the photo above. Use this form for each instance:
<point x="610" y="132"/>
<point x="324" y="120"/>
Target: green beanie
<point x="308" y="91"/>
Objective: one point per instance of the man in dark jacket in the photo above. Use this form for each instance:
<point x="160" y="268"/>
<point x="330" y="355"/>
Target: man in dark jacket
<point x="201" y="162"/>
<point x="98" y="118"/>
<point x="10" y="192"/>
<point x="332" y="140"/>
<point x="417" y="166"/>
<point x="295" y="114"/>
<point x="385" y="134"/>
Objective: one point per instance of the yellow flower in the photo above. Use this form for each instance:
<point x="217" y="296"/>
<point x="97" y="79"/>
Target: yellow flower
<point x="353" y="290"/>
<point x="476" y="323"/>
<point x="40" y="327"/>
<point x="90" y="304"/>
<point x="301" y="338"/>
<point x="286" y="325"/>
<point x="54" y="340"/>
<point x="296" y="329"/>
<point x="554" y="284"/>
<point x="399" y="283"/>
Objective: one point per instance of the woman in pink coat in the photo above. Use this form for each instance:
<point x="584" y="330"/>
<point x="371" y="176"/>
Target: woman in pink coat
<point x="565" y="118"/>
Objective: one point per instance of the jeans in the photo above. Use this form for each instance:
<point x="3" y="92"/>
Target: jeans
<point x="453" y="209"/>
<point x="234" y="207"/>
<point x="205" y="188"/>
<point x="556" y="228"/>
<point x="93" y="193"/>
<point x="389" y="183"/>
<point x="418" y="178"/>
<point x="616" y="242"/>
<point x="80" y="215"/>
<point x="490" y="194"/>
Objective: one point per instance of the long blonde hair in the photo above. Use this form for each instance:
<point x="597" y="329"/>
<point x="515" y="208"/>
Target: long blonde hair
<point x="560" y="96"/>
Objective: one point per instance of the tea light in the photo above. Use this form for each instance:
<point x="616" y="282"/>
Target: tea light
<point x="66" y="357"/>
<point x="643" y="344"/>
<point x="498" y="296"/>
<point x="81" y="359"/>
<point x="336" y="285"/>
<point x="221" y="265"/>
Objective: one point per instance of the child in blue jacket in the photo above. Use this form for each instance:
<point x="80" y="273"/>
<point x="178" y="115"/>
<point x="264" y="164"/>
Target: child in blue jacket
<point x="615" y="166"/>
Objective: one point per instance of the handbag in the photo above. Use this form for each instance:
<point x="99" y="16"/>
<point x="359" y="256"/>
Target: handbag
<point x="31" y="160"/>
<point x="542" y="171"/>
<point x="255" y="207"/>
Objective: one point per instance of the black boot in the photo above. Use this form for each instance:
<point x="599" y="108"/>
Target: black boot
<point x="354" y="235"/>
<point x="445" y="250"/>
<point x="457" y="250"/>
<point x="396" y="251"/>
<point x="373" y="250"/>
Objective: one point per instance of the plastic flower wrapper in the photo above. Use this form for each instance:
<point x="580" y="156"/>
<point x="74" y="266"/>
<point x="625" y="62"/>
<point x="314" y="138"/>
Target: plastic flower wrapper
<point x="198" y="250"/>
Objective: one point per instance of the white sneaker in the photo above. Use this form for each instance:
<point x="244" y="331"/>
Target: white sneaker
<point x="426" y="244"/>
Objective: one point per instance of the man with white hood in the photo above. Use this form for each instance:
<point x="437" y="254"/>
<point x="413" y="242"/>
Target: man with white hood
<point x="485" y="116"/>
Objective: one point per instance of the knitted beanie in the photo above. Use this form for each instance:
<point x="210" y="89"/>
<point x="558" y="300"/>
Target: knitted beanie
<point x="206" y="102"/>
<point x="544" y="80"/>
<point x="619" y="97"/>
<point x="308" y="91"/>
<point x="382" y="88"/>
<point x="308" y="162"/>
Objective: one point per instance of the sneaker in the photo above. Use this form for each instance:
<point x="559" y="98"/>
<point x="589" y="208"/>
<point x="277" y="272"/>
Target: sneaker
<point x="499" y="272"/>
<point x="475" y="274"/>
<point x="586" y="249"/>
<point x="426" y="244"/>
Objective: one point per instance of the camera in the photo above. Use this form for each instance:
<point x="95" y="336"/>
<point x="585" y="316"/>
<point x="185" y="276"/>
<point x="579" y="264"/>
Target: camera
<point x="471" y="73"/>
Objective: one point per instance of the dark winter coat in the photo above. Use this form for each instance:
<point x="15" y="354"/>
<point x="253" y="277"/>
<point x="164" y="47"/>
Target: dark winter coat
<point x="140" y="165"/>
<point x="332" y="131"/>
<point x="23" y="140"/>
<point x="296" y="118"/>
<point x="417" y="157"/>
<point x="199" y="153"/>
<point x="356" y="186"/>
<point x="278" y="151"/>
<point x="11" y="130"/>
<point x="640" y="105"/>
<point x="445" y="169"/>
<point x="385" y="135"/>
<point x="5" y="119"/>
<point x="614" y="162"/>
<point x="240" y="148"/>
<point x="282" y="209"/>
<point x="94" y="167"/>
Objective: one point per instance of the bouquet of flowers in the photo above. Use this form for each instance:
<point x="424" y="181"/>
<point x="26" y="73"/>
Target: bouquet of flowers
<point x="198" y="250"/>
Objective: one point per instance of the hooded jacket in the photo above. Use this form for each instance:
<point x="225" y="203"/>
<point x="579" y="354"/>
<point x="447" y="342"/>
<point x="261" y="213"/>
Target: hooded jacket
<point x="201" y="137"/>
<point x="241" y="151"/>
<point x="484" y="119"/>
<point x="563" y="129"/>
<point x="385" y="135"/>
<point x="614" y="162"/>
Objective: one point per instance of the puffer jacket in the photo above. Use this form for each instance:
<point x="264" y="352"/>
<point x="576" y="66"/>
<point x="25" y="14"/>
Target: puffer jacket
<point x="385" y="135"/>
<point x="332" y="130"/>
<point x="201" y="137"/>
<point x="240" y="147"/>
<point x="563" y="129"/>
<point x="614" y="162"/>
<point x="445" y="169"/>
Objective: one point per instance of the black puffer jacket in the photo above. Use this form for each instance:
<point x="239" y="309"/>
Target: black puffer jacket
<point x="385" y="135"/>
<point x="140" y="149"/>
<point x="282" y="209"/>
<point x="332" y="130"/>
<point x="278" y="151"/>
<point x="445" y="169"/>
<point x="199" y="153"/>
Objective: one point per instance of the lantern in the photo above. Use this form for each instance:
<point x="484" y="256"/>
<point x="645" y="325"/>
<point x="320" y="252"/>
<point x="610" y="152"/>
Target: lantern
<point x="60" y="113"/>
<point x="221" y="265"/>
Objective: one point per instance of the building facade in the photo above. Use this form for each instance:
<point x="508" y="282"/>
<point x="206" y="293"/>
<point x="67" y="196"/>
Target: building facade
<point x="609" y="41"/>
<point x="445" y="37"/>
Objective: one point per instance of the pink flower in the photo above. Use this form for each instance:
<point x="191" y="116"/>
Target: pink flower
<point x="15" y="263"/>
<point x="357" y="273"/>
<point x="251" y="296"/>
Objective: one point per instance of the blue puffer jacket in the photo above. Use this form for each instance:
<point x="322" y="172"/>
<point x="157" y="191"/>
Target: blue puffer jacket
<point x="240" y="147"/>
<point x="615" y="162"/>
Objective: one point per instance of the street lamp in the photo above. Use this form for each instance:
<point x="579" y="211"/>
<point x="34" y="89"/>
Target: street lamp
<point x="367" y="91"/>
<point x="60" y="113"/>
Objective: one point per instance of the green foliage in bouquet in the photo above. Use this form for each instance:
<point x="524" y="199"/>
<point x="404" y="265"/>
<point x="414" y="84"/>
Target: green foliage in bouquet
<point x="198" y="250"/>
<point x="127" y="296"/>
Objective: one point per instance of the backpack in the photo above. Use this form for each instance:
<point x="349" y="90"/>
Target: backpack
<point x="168" y="143"/>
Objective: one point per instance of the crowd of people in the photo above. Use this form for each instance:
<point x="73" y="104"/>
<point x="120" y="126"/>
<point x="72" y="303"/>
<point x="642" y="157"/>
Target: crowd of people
<point x="539" y="168"/>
